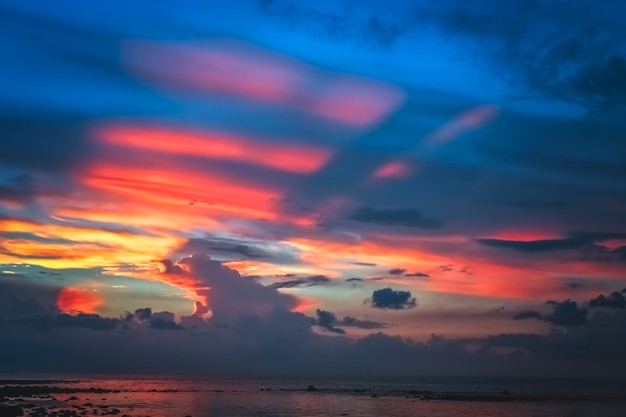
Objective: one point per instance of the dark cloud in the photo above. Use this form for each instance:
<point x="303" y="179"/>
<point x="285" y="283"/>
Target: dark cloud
<point x="302" y="282"/>
<point x="565" y="313"/>
<point x="243" y="250"/>
<point x="530" y="204"/>
<point x="545" y="245"/>
<point x="364" y="263"/>
<point x="418" y="275"/>
<point x="19" y="189"/>
<point x="397" y="271"/>
<point x="541" y="51"/>
<point x="386" y="298"/>
<point x="349" y="321"/>
<point x="143" y="313"/>
<point x="327" y="321"/>
<point x="88" y="321"/>
<point x="164" y="320"/>
<point x="591" y="245"/>
<point x="354" y="279"/>
<point x="394" y="217"/>
<point x="613" y="300"/>
<point x="528" y="314"/>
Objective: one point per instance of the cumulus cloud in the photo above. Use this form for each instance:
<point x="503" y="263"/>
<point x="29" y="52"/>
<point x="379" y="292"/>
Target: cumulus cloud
<point x="565" y="313"/>
<point x="394" y="217"/>
<point x="386" y="298"/>
<point x="397" y="271"/>
<point x="143" y="313"/>
<point x="228" y="294"/>
<point x="613" y="300"/>
<point x="164" y="320"/>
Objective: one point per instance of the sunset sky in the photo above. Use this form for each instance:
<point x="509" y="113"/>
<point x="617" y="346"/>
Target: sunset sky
<point x="258" y="177"/>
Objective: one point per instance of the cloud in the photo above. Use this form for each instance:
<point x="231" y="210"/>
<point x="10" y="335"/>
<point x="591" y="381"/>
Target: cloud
<point x="349" y="321"/>
<point x="224" y="291"/>
<point x="327" y="321"/>
<point x="614" y="300"/>
<point x="542" y="52"/>
<point x="545" y="245"/>
<point x="310" y="281"/>
<point x="88" y="321"/>
<point x="394" y="217"/>
<point x="143" y="313"/>
<point x="528" y="314"/>
<point x="418" y="275"/>
<point x="529" y="204"/>
<point x="387" y="298"/>
<point x="354" y="279"/>
<point x="592" y="245"/>
<point x="364" y="263"/>
<point x="565" y="313"/>
<point x="164" y="320"/>
<point x="397" y="271"/>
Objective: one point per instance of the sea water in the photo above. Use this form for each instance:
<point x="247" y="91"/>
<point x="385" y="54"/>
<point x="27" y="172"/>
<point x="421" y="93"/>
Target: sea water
<point x="356" y="397"/>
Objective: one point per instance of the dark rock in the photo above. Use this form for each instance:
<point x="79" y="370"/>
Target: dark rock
<point x="311" y="388"/>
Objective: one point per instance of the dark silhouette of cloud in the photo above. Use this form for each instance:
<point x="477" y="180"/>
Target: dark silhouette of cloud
<point x="354" y="279"/>
<point x="364" y="263"/>
<point x="88" y="321"/>
<point x="243" y="250"/>
<point x="565" y="313"/>
<point x="327" y="321"/>
<point x="530" y="204"/>
<point x="590" y="245"/>
<point x="397" y="271"/>
<point x="164" y="320"/>
<point x="394" y="217"/>
<point x="349" y="321"/>
<point x="417" y="275"/>
<point x="302" y="282"/>
<point x="386" y="298"/>
<point x="143" y="313"/>
<point x="528" y="314"/>
<point x="613" y="300"/>
<point x="546" y="245"/>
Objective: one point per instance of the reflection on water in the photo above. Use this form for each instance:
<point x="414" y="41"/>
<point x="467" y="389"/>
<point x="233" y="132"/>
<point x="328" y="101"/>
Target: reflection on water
<point x="161" y="397"/>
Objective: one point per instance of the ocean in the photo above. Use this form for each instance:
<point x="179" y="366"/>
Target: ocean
<point x="303" y="397"/>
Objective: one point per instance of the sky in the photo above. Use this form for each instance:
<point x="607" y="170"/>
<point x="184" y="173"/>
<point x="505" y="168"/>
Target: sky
<point x="347" y="187"/>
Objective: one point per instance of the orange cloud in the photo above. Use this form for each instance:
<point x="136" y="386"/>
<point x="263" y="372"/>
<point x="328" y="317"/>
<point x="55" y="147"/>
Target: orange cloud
<point x="76" y="300"/>
<point x="290" y="157"/>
